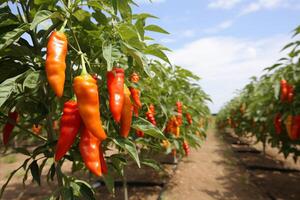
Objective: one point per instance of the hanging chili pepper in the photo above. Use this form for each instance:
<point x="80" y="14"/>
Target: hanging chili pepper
<point x="55" y="61"/>
<point x="9" y="126"/>
<point x="189" y="118"/>
<point x="89" y="147"/>
<point x="152" y="108"/>
<point x="134" y="77"/>
<point x="151" y="117"/>
<point x="69" y="126"/>
<point x="186" y="148"/>
<point x="126" y="116"/>
<point x="295" y="130"/>
<point x="277" y="123"/>
<point x="115" y="86"/>
<point x="283" y="90"/>
<point x="102" y="161"/>
<point x="36" y="129"/>
<point x="86" y="90"/>
<point x="135" y="93"/>
<point x="135" y="111"/>
<point x="179" y="112"/>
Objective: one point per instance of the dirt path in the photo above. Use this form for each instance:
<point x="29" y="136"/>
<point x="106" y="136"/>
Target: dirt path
<point x="211" y="173"/>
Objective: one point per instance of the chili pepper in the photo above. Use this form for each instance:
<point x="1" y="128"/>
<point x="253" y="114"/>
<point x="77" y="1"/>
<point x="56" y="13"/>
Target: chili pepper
<point x="186" y="148"/>
<point x="150" y="117"/>
<point x="283" y="90"/>
<point x="36" y="129"/>
<point x="86" y="90"/>
<point x="135" y="93"/>
<point x="135" y="111"/>
<point x="179" y="112"/>
<point x="134" y="77"/>
<point x="115" y="86"/>
<point x="189" y="118"/>
<point x="55" y="61"/>
<point x="126" y="116"/>
<point x="152" y="108"/>
<point x="277" y="123"/>
<point x="102" y="161"/>
<point x="89" y="147"/>
<point x="165" y="143"/>
<point x="69" y="126"/>
<point x="288" y="125"/>
<point x="9" y="126"/>
<point x="295" y="130"/>
<point x="139" y="133"/>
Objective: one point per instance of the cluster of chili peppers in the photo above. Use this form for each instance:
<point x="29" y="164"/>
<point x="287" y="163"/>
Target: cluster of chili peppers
<point x="173" y="126"/>
<point x="189" y="118"/>
<point x="287" y="91"/>
<point x="186" y="148"/>
<point x="151" y="116"/>
<point x="179" y="112"/>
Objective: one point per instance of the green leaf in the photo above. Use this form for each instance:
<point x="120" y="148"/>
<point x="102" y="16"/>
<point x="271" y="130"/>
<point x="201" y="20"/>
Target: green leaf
<point x="156" y="28"/>
<point x="11" y="68"/>
<point x="147" y="128"/>
<point x="153" y="50"/>
<point x="138" y="57"/>
<point x="6" y="89"/>
<point x="86" y="190"/>
<point x="12" y="36"/>
<point x="151" y="163"/>
<point x="32" y="80"/>
<point x="82" y="15"/>
<point x="41" y="16"/>
<point x="67" y="193"/>
<point x="109" y="183"/>
<point x="129" y="147"/>
<point x="22" y="151"/>
<point x="35" y="172"/>
<point x="107" y="54"/>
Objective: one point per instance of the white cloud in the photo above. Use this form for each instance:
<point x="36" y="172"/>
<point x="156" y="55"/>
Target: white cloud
<point x="226" y="63"/>
<point x="223" y="4"/>
<point x="222" y="26"/>
<point x="188" y="33"/>
<point x="263" y="4"/>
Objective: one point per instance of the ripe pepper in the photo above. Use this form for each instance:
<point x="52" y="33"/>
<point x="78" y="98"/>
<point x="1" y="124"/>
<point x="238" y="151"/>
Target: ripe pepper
<point x="290" y="95"/>
<point x="134" y="77"/>
<point x="179" y="112"/>
<point x="126" y="115"/>
<point x="152" y="108"/>
<point x="86" y="90"/>
<point x="189" y="118"/>
<point x="135" y="93"/>
<point x="283" y="90"/>
<point x="69" y="126"/>
<point x="9" y="126"/>
<point x="115" y="86"/>
<point x="150" y="117"/>
<point x="139" y="133"/>
<point x="89" y="147"/>
<point x="102" y="161"/>
<point x="295" y="130"/>
<point x="277" y="123"/>
<point x="36" y="129"/>
<point x="55" y="61"/>
<point x="166" y="144"/>
<point x="186" y="148"/>
<point x="288" y="125"/>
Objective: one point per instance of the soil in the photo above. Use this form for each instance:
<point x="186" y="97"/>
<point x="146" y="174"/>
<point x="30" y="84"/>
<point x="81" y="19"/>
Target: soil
<point x="224" y="168"/>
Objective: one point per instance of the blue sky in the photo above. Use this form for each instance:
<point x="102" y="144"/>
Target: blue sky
<point x="224" y="41"/>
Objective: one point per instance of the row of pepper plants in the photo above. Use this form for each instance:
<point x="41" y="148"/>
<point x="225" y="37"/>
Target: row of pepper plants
<point x="268" y="108"/>
<point x="62" y="63"/>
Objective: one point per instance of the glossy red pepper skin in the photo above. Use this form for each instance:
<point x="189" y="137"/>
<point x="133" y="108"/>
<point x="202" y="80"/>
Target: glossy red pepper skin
<point x="277" y="123"/>
<point x="135" y="93"/>
<point x="295" y="130"/>
<point x="139" y="133"/>
<point x="283" y="90"/>
<point x="115" y="86"/>
<point x="69" y="126"/>
<point x="102" y="161"/>
<point x="55" y="61"/>
<point x="8" y="127"/>
<point x="150" y="117"/>
<point x="89" y="147"/>
<point x="126" y="116"/>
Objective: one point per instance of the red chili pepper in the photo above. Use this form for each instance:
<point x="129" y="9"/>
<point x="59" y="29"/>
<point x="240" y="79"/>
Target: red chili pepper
<point x="126" y="116"/>
<point x="134" y="77"/>
<point x="115" y="86"/>
<point x="290" y="96"/>
<point x="277" y="123"/>
<point x="139" y="133"/>
<point x="151" y="117"/>
<point x="135" y="93"/>
<point x="295" y="131"/>
<point x="152" y="108"/>
<point x="189" y="118"/>
<point x="135" y="111"/>
<point x="284" y="90"/>
<point x="9" y="126"/>
<point x="69" y="126"/>
<point x="102" y="161"/>
<point x="89" y="147"/>
<point x="179" y="111"/>
<point x="186" y="148"/>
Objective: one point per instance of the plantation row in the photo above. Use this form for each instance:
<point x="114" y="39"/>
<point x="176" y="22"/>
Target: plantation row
<point x="80" y="78"/>
<point x="268" y="108"/>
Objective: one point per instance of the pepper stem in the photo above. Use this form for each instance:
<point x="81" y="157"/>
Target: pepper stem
<point x="84" y="71"/>
<point x="62" y="28"/>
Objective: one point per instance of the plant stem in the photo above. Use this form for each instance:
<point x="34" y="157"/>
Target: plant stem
<point x="125" y="186"/>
